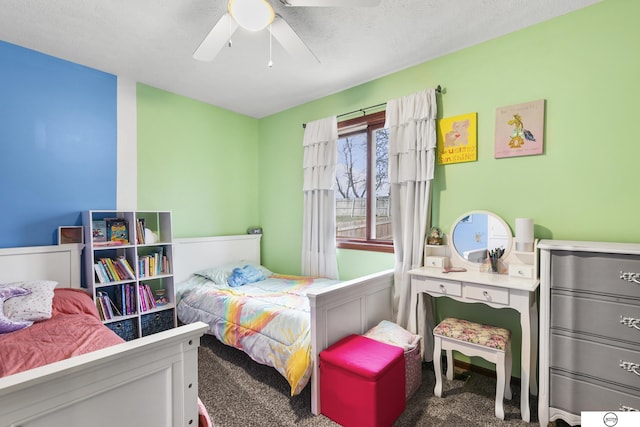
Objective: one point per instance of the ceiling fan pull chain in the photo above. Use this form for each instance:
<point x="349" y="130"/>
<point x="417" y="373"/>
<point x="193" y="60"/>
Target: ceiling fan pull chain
<point x="270" y="47"/>
<point x="230" y="30"/>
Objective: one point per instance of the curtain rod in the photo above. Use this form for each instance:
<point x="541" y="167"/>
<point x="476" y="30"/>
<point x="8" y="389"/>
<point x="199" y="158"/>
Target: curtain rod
<point x="364" y="110"/>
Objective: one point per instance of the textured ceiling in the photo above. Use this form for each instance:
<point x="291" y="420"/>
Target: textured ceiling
<point x="151" y="41"/>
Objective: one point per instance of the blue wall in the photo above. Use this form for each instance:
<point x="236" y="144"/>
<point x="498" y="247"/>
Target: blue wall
<point x="58" y="139"/>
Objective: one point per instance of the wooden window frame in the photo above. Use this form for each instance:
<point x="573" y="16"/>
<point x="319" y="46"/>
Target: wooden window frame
<point x="373" y="122"/>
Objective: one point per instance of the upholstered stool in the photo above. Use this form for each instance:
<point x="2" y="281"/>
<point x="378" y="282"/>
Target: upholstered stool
<point x="362" y="382"/>
<point x="473" y="339"/>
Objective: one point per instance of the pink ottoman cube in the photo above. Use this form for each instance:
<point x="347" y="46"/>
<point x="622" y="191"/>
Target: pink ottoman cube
<point x="362" y="382"/>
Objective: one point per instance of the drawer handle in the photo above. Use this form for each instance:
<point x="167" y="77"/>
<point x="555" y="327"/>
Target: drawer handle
<point x="631" y="322"/>
<point x="443" y="289"/>
<point x="630" y="277"/>
<point x="626" y="408"/>
<point x="630" y="367"/>
<point x="486" y="295"/>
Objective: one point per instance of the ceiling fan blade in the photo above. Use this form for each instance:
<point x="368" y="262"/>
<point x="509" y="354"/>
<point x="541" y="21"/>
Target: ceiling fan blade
<point x="217" y="38"/>
<point x="330" y="3"/>
<point x="289" y="40"/>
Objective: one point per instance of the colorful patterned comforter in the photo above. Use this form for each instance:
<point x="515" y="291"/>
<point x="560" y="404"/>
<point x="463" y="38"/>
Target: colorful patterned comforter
<point x="269" y="320"/>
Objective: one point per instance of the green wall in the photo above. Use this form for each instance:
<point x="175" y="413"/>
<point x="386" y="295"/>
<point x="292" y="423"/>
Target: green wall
<point x="198" y="161"/>
<point x="221" y="172"/>
<point x="583" y="187"/>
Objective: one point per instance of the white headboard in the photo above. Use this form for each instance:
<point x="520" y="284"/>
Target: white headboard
<point x="60" y="263"/>
<point x="197" y="253"/>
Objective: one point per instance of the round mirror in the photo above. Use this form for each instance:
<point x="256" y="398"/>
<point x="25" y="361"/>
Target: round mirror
<point x="476" y="234"/>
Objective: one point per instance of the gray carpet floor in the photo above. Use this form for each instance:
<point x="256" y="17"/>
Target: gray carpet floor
<point x="239" y="392"/>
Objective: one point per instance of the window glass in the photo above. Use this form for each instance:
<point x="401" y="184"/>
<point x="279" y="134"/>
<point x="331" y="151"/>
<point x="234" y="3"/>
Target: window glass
<point x="362" y="190"/>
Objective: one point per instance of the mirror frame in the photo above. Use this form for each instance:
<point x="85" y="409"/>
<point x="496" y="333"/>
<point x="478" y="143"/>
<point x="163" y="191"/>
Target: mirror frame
<point x="458" y="256"/>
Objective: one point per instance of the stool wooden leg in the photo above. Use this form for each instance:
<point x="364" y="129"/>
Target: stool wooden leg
<point x="437" y="365"/>
<point x="507" y="378"/>
<point x="449" y="364"/>
<point x="447" y="336"/>
<point x="500" y="384"/>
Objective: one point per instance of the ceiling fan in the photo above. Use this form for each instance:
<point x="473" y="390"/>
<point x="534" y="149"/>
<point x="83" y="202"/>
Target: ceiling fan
<point x="256" y="15"/>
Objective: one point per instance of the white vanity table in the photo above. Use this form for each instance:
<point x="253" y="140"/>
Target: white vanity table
<point x="516" y="290"/>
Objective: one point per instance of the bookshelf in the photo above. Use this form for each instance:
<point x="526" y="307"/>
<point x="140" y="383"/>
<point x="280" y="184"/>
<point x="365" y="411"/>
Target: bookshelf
<point x="128" y="264"/>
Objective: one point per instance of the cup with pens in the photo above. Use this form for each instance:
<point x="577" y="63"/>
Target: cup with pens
<point x="493" y="256"/>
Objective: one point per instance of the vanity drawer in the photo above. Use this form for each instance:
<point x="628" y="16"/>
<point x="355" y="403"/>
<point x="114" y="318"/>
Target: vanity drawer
<point x="594" y="359"/>
<point x="486" y="293"/>
<point x="596" y="272"/>
<point x="434" y="286"/>
<point x="575" y="395"/>
<point x="521" y="270"/>
<point x="614" y="319"/>
<point x="436" y="261"/>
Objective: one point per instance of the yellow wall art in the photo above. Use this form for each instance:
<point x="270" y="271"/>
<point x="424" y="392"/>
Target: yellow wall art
<point x="458" y="139"/>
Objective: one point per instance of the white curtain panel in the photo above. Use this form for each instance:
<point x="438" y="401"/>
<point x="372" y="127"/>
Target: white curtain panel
<point x="319" y="228"/>
<point x="412" y="149"/>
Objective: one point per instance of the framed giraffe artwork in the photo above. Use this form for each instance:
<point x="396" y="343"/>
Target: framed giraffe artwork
<point x="520" y="130"/>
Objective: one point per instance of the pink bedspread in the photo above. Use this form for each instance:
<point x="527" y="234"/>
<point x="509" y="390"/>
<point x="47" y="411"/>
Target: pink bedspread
<point x="74" y="328"/>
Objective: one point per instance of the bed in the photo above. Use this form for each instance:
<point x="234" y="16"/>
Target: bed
<point x="94" y="376"/>
<point x="331" y="309"/>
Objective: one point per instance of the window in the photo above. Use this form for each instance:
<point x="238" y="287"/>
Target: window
<point x="363" y="212"/>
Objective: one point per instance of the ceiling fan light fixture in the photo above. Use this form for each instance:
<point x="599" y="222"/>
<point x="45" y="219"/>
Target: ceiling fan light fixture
<point x="252" y="15"/>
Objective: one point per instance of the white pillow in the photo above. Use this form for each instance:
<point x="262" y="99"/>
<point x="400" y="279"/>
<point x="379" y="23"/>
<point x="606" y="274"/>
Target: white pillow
<point x="33" y="307"/>
<point x="391" y="333"/>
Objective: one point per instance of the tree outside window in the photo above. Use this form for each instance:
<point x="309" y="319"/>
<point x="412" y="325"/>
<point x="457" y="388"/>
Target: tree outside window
<point x="363" y="211"/>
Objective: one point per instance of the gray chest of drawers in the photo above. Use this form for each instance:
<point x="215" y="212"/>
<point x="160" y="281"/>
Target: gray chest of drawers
<point x="589" y="328"/>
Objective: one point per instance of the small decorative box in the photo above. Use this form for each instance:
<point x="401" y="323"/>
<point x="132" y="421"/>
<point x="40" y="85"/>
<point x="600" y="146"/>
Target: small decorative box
<point x="436" y="261"/>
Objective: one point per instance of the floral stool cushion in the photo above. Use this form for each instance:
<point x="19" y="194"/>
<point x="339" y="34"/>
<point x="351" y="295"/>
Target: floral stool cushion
<point x="475" y="333"/>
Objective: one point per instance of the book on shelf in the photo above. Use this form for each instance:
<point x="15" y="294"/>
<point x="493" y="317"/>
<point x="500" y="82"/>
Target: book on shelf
<point x="165" y="265"/>
<point x="106" y="307"/>
<point x="107" y="243"/>
<point x="99" y="231"/>
<point x="108" y="268"/>
<point x="140" y="230"/>
<point x="154" y="263"/>
<point x="120" y="299"/>
<point x="149" y="301"/>
<point x="125" y="298"/>
<point x="100" y="308"/>
<point x="100" y="273"/>
<point x="125" y="264"/>
<point x="113" y="270"/>
<point x="104" y="267"/>
<point x="142" y="299"/>
<point x="117" y="230"/>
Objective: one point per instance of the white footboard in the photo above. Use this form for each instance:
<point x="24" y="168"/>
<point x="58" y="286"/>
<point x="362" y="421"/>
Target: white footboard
<point x="350" y="307"/>
<point x="151" y="381"/>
